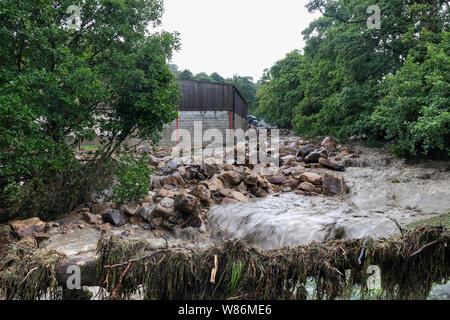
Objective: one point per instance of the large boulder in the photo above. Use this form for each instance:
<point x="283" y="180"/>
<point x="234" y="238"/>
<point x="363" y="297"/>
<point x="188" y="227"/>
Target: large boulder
<point x="165" y="208"/>
<point x="28" y="227"/>
<point x="311" y="177"/>
<point x="279" y="180"/>
<point x="145" y="213"/>
<point x="329" y="144"/>
<point x="236" y="195"/>
<point x="186" y="203"/>
<point x="203" y="193"/>
<point x="304" y="151"/>
<point x="115" y="217"/>
<point x="332" y="164"/>
<point x="90" y="218"/>
<point x="213" y="184"/>
<point x="313" y="157"/>
<point x="334" y="185"/>
<point x="230" y="178"/>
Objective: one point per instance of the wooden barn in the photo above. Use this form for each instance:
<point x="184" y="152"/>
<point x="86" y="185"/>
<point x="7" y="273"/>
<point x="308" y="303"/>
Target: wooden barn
<point x="217" y="105"/>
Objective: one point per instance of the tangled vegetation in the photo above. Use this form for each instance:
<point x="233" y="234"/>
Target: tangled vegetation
<point x="409" y="265"/>
<point x="27" y="273"/>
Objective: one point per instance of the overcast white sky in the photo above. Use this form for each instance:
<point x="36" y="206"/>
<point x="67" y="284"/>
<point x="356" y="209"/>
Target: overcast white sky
<point x="235" y="36"/>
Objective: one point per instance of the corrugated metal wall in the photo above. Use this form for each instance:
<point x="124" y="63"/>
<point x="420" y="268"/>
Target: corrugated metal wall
<point x="210" y="96"/>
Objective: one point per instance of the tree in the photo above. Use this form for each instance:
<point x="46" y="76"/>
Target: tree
<point x="202" y="76"/>
<point x="186" y="75"/>
<point x="414" y="112"/>
<point x="281" y="91"/>
<point x="59" y="86"/>
<point x="347" y="74"/>
<point x="217" y="77"/>
<point x="246" y="87"/>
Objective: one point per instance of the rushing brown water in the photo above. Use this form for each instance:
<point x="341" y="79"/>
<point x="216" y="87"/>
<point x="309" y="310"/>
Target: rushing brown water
<point x="381" y="188"/>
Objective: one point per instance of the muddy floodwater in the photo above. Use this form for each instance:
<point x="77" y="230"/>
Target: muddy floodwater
<point x="381" y="187"/>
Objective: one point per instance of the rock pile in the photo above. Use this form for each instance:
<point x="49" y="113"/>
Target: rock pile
<point x="181" y="195"/>
<point x="185" y="192"/>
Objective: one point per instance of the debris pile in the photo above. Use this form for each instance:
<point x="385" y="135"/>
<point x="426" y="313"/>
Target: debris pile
<point x="234" y="270"/>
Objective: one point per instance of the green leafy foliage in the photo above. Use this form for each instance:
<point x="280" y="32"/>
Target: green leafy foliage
<point x="60" y="86"/>
<point x="415" y="110"/>
<point x="133" y="180"/>
<point x="389" y="84"/>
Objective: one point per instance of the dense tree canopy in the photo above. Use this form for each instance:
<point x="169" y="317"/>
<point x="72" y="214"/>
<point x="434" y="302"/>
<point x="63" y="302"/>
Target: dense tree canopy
<point x="59" y="85"/>
<point x="389" y="83"/>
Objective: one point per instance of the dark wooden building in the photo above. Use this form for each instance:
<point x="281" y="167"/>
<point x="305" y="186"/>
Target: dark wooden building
<point x="217" y="105"/>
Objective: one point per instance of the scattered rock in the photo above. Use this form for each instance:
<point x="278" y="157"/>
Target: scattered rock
<point x="331" y="164"/>
<point x="251" y="179"/>
<point x="260" y="193"/>
<point x="329" y="144"/>
<point x="334" y="185"/>
<point x="227" y="200"/>
<point x="307" y="186"/>
<point x="129" y="208"/>
<point x="115" y="217"/>
<point x="304" y="151"/>
<point x="172" y="165"/>
<point x="186" y="203"/>
<point x="230" y="178"/>
<point x="278" y="180"/>
<point x="41" y="236"/>
<point x="165" y="208"/>
<point x="287" y="159"/>
<point x="105" y="226"/>
<point x="236" y="195"/>
<point x="145" y="213"/>
<point x="293" y="170"/>
<point x="202" y="193"/>
<point x="27" y="227"/>
<point x="100" y="208"/>
<point x="313" y="157"/>
<point x="311" y="177"/>
<point x="213" y="184"/>
<point x="189" y="233"/>
<point x="90" y="218"/>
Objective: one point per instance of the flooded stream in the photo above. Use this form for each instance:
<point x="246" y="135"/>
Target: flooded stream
<point x="381" y="187"/>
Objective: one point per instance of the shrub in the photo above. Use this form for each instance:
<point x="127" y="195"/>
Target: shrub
<point x="133" y="178"/>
